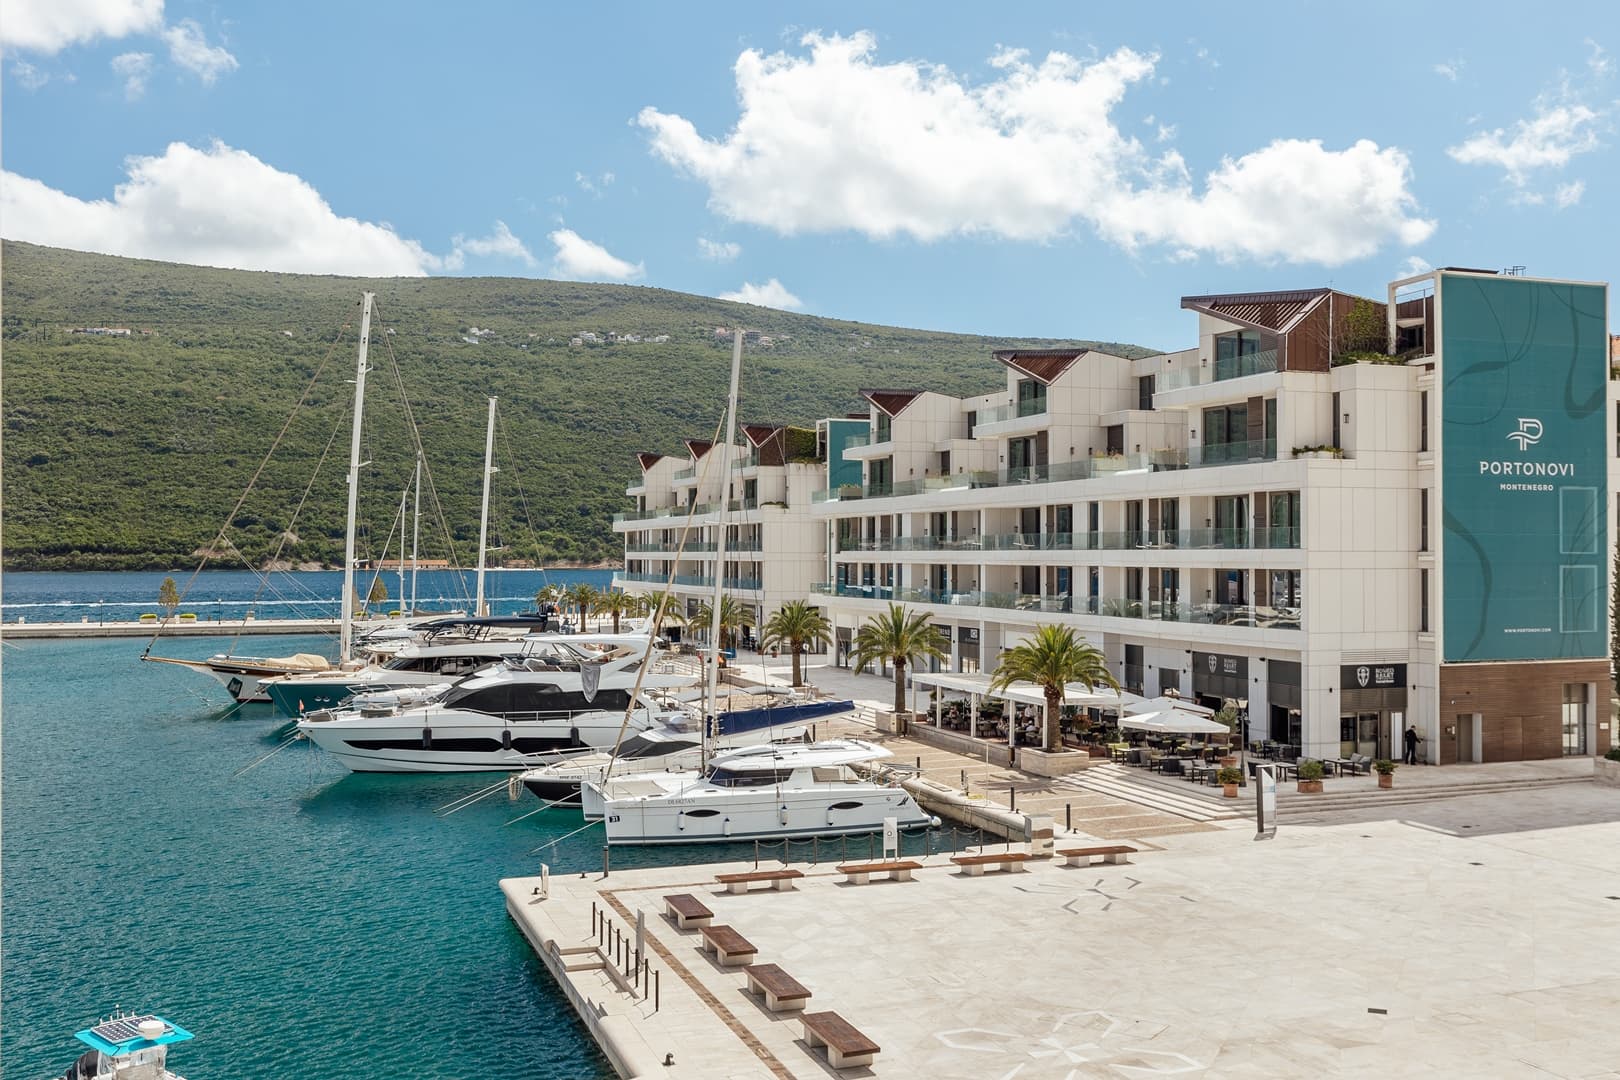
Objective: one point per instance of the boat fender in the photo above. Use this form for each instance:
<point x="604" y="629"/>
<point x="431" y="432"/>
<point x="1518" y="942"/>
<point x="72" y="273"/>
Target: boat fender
<point x="573" y="737"/>
<point x="427" y="738"/>
<point x="506" y="739"/>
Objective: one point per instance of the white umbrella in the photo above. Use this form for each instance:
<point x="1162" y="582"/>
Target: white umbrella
<point x="1163" y="704"/>
<point x="1173" y="722"/>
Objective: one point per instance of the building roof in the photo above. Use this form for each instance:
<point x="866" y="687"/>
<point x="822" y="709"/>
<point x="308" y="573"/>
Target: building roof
<point x="648" y="460"/>
<point x="1274" y="311"/>
<point x="759" y="433"/>
<point x="891" y="401"/>
<point x="698" y="447"/>
<point x="1042" y="364"/>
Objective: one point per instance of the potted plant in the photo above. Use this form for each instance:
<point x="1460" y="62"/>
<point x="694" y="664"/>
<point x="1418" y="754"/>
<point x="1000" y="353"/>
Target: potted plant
<point x="1385" y="769"/>
<point x="1229" y="779"/>
<point x="1310" y="777"/>
<point x="1228" y="716"/>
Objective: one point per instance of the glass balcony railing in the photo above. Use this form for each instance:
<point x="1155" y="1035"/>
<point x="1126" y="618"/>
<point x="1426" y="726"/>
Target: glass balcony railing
<point x="692" y="548"/>
<point x="690" y="580"/>
<point x="1252" y="615"/>
<point x="686" y="474"/>
<point x="1117" y="540"/>
<point x="665" y="512"/>
<point x="1236" y="367"/>
<point x="1034" y="406"/>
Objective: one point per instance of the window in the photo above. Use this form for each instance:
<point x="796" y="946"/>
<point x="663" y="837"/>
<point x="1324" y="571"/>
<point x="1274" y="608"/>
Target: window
<point x="1336" y="414"/>
<point x="1233" y="352"/>
<point x="1574" y="715"/>
<point x="1423" y="520"/>
<point x="1031" y="397"/>
<point x="1133" y="669"/>
<point x="1423" y="601"/>
<point x="1423" y="421"/>
<point x="1226" y="433"/>
<point x="1169" y="679"/>
<point x="880" y="476"/>
<point x="1283" y="510"/>
<point x="1144" y="392"/>
<point x="883" y="433"/>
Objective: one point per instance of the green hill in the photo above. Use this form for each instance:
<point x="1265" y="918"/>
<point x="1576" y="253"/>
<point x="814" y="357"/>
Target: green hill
<point x="129" y="452"/>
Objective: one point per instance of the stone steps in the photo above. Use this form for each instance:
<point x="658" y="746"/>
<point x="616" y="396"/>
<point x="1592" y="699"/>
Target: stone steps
<point x="1291" y="802"/>
<point x="1112" y="781"/>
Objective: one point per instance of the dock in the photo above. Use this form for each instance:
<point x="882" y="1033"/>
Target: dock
<point x="174" y="628"/>
<point x="1330" y="950"/>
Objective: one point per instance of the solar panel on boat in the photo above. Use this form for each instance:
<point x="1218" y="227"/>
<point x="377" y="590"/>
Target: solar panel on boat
<point x="123" y="1029"/>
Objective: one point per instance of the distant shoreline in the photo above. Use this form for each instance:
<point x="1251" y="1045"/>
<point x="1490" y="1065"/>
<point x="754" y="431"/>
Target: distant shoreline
<point x="294" y="568"/>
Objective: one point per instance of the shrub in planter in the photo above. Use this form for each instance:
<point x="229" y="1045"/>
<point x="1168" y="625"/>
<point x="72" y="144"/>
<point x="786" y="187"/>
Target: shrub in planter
<point x="1310" y="777"/>
<point x="1613" y="755"/>
<point x="1385" y="769"/>
<point x="1229" y="780"/>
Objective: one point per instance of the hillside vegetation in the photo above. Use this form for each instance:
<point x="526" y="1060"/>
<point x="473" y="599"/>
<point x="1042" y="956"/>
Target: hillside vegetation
<point x="130" y="452"/>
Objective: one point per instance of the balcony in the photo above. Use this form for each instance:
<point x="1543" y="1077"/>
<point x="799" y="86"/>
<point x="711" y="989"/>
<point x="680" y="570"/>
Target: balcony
<point x="1255" y="616"/>
<point x="1015" y="418"/>
<point x="665" y="512"/>
<point x="1236" y="367"/>
<point x="684" y="475"/>
<point x="692" y="548"/>
<point x="699" y="581"/>
<point x="1279" y="538"/>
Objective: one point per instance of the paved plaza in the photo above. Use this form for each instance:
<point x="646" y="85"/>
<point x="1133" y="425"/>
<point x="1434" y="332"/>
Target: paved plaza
<point x="1473" y="937"/>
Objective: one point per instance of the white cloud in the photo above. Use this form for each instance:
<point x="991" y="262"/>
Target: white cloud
<point x="189" y="48"/>
<point x="578" y="259"/>
<point x="1598" y="61"/>
<point x="1449" y="69"/>
<point x="772" y="294"/>
<point x="593" y="186"/>
<point x="31" y="77"/>
<point x="1569" y="194"/>
<point x="721" y="251"/>
<point x="133" y="68"/>
<point x="836" y="141"/>
<point x="501" y="243"/>
<point x="1412" y="266"/>
<point x="49" y="26"/>
<point x="1557" y="132"/>
<point x="214" y="207"/>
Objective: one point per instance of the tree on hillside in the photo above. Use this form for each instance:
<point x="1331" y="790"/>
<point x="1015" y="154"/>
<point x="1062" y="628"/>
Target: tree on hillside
<point x="896" y="638"/>
<point x="1052" y="658"/>
<point x="796" y="624"/>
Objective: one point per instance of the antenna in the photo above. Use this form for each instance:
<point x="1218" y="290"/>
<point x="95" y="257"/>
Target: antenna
<point x="1513" y="271"/>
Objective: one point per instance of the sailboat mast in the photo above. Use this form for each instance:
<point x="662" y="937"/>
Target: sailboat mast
<point x="416" y="530"/>
<point x="404" y="499"/>
<point x="479" y="607"/>
<point x="720" y="540"/>
<point x="346" y="619"/>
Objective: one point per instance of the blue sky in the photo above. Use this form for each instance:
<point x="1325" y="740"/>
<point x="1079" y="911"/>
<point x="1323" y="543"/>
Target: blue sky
<point x="1060" y="170"/>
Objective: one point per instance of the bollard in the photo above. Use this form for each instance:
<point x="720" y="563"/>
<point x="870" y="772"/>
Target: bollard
<point x="657" y="979"/>
<point x="756" y="854"/>
<point x="919" y="764"/>
<point x="1012" y="797"/>
<point x="604" y="860"/>
<point x="1068" y="816"/>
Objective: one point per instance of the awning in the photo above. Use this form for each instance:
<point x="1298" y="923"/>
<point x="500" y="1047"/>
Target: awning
<point x="1029" y="693"/>
<point x="1173" y="722"/>
<point x="978" y="685"/>
<point x="1162" y="704"/>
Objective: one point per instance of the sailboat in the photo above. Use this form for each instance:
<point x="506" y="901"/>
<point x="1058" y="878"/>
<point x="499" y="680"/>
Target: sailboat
<point x="244" y="676"/>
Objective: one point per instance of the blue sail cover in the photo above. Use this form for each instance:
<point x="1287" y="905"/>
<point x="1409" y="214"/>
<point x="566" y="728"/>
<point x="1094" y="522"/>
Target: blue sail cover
<point x="740" y="720"/>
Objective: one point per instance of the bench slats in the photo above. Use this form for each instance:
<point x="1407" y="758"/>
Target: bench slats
<point x="725" y="939"/>
<point x="687" y="906"/>
<point x="981" y="860"/>
<point x="837" y="1032"/>
<point x="759" y="875"/>
<point x="778" y="983"/>
<point x="1115" y="849"/>
<point x="878" y="867"/>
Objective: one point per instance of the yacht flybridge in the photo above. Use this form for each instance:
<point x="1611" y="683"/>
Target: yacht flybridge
<point x="563" y="692"/>
<point x="756" y="792"/>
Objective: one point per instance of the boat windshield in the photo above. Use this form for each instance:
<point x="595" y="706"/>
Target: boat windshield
<point x="724" y="777"/>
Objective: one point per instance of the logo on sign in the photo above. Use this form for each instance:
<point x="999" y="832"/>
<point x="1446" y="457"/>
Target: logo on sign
<point x="1362" y="675"/>
<point x="1529" y="432"/>
<point x="1212" y="662"/>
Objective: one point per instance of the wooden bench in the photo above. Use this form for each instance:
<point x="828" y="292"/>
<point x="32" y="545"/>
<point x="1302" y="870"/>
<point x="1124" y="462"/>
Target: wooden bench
<point x="728" y="946"/>
<point x="687" y="911"/>
<point x="777" y="879"/>
<point x="846" y="1047"/>
<point x="783" y="993"/>
<point x="973" y="865"/>
<point x="861" y="873"/>
<point x="1082" y="856"/>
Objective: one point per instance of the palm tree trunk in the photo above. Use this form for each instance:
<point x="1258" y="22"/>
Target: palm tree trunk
<point x="1054" y="740"/>
<point x="615" y="620"/>
<point x="798" y="679"/>
<point x="899" y="686"/>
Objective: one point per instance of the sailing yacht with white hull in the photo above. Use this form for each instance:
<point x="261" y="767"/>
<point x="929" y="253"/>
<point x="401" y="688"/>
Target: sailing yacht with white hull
<point x="564" y="692"/>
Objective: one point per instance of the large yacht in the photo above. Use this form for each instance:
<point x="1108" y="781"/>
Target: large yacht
<point x="755" y="793"/>
<point x="411" y="666"/>
<point x="575" y="692"/>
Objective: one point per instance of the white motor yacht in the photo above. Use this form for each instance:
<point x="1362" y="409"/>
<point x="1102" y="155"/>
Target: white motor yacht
<point x="757" y="792"/>
<point x="411" y="666"/>
<point x="127" y="1047"/>
<point x="566" y="692"/>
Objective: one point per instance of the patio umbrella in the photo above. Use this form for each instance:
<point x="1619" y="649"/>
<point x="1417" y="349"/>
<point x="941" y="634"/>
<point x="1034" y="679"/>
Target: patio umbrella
<point x="1164" y="704"/>
<point x="1173" y="722"/>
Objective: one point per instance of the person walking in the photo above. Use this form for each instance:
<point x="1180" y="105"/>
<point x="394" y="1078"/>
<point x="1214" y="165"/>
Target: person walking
<point x="1411" y="741"/>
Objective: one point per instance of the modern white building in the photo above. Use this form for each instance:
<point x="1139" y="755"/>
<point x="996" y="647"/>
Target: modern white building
<point x="1345" y="515"/>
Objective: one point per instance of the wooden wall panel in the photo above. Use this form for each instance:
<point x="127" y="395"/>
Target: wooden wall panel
<point x="1520" y="706"/>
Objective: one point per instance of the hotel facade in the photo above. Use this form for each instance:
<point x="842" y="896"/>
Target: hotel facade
<point x="1343" y="515"/>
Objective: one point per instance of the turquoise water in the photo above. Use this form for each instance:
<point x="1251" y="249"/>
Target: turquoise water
<point x="303" y="921"/>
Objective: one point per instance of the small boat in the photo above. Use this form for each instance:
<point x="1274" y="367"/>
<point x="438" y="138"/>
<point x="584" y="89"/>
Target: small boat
<point x="127" y="1047"/>
<point x="564" y="692"/>
<point x="756" y="793"/>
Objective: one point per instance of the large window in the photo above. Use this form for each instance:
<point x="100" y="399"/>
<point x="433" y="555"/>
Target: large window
<point x="880" y="476"/>
<point x="883" y="432"/>
<point x="1575" y="700"/>
<point x="1239" y="353"/>
<point x="1144" y="391"/>
<point x="1423" y="519"/>
<point x="1423" y="601"/>
<point x="1031" y="397"/>
<point x="1423" y="421"/>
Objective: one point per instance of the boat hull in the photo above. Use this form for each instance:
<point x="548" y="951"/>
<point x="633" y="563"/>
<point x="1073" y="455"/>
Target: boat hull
<point x="836" y="810"/>
<point x="448" y="742"/>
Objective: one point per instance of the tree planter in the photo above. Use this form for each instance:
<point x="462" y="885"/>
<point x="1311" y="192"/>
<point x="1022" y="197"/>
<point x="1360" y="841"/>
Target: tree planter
<point x="1310" y="787"/>
<point x="1386" y="780"/>
<point x="1041" y="763"/>
<point x="1227" y="762"/>
<point x="1229" y="790"/>
<point x="1606" y="772"/>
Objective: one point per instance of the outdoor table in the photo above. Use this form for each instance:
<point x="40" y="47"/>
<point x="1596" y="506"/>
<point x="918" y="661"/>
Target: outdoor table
<point x="1338" y="765"/>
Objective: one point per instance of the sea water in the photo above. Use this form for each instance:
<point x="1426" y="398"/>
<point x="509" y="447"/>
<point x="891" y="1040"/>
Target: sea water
<point x="301" y="920"/>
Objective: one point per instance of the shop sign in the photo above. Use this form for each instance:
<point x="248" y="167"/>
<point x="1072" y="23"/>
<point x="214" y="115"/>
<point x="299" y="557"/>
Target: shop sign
<point x="1372" y="676"/>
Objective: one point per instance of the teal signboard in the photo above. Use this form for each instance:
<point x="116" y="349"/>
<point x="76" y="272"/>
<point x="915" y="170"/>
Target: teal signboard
<point x="1524" y="430"/>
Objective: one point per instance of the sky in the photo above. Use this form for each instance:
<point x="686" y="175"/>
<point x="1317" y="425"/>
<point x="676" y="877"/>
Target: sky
<point x="1050" y="170"/>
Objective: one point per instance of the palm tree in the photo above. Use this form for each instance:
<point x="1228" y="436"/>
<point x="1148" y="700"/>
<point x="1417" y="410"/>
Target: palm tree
<point x="899" y="639"/>
<point x="797" y="624"/>
<point x="733" y="616"/>
<point x="583" y="597"/>
<point x="1052" y="658"/>
<point x="619" y="604"/>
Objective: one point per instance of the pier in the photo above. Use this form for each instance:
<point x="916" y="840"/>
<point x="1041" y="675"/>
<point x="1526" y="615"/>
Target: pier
<point x="173" y="628"/>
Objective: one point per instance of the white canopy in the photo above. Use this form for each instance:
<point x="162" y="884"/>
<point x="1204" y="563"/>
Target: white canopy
<point x="1173" y="722"/>
<point x="979" y="686"/>
<point x="1162" y="704"/>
